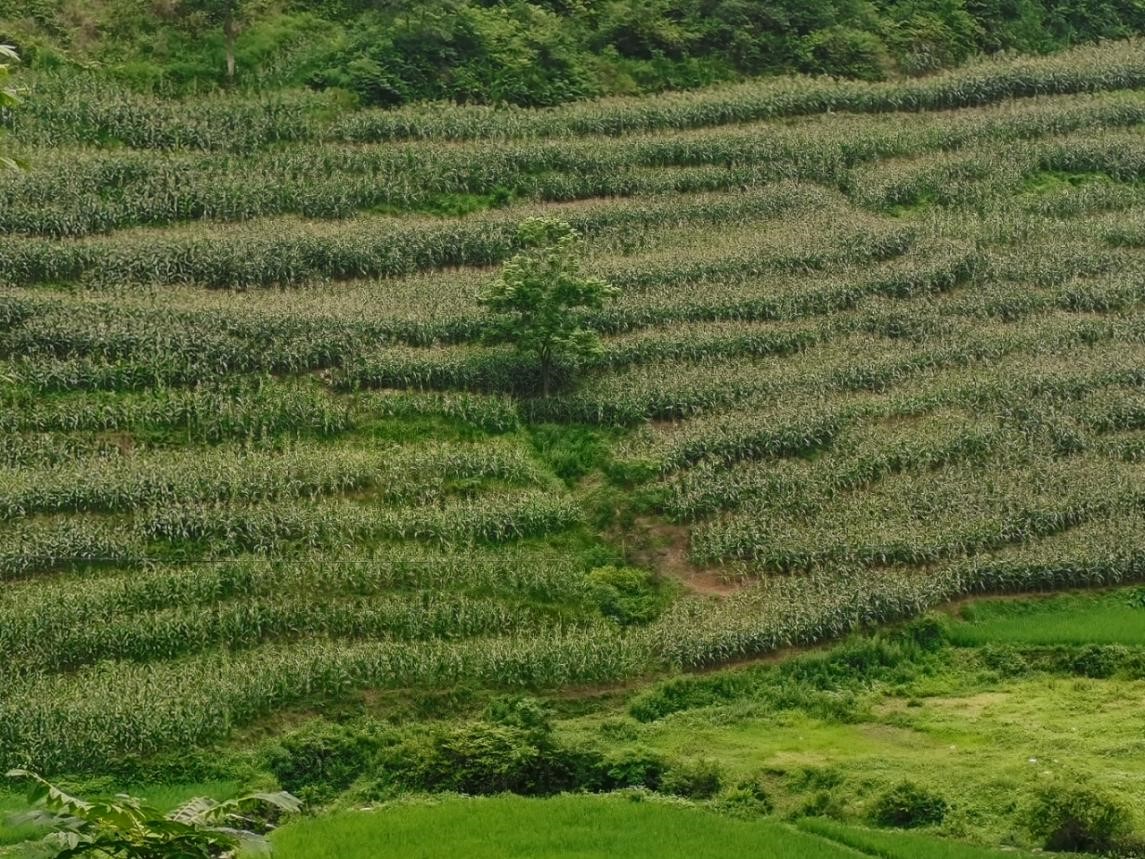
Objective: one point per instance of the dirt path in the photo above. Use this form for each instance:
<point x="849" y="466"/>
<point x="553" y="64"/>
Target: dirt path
<point x="663" y="547"/>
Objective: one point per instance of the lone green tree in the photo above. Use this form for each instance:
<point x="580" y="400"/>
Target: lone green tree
<point x="537" y="299"/>
<point x="8" y="96"/>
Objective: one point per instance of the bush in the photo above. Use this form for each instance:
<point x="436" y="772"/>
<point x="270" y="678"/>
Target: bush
<point x="570" y="451"/>
<point x="843" y="52"/>
<point x="520" y="712"/>
<point x="321" y="760"/>
<point x="690" y="693"/>
<point x="695" y="780"/>
<point x="747" y="799"/>
<point x="928" y="633"/>
<point x="908" y="805"/>
<point x="1077" y="818"/>
<point x="637" y="767"/>
<point x="822" y="803"/>
<point x="626" y="595"/>
<point x="1100" y="661"/>
<point x="515" y="756"/>
<point x="480" y="759"/>
<point x="1007" y="660"/>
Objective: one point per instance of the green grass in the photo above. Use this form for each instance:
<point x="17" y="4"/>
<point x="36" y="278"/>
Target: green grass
<point x="11" y="831"/>
<point x="1046" y="181"/>
<point x="1115" y="618"/>
<point x="901" y="845"/>
<point x="584" y="827"/>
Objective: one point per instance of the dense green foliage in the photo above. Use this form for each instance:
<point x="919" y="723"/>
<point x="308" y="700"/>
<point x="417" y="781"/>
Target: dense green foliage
<point x="542" y="52"/>
<point x="127" y="828"/>
<point x="9" y="96"/>
<point x="907" y="806"/>
<point x="539" y="297"/>
<point x="1078" y="818"/>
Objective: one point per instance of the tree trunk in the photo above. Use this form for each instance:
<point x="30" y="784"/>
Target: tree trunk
<point x="230" y="30"/>
<point x="546" y="376"/>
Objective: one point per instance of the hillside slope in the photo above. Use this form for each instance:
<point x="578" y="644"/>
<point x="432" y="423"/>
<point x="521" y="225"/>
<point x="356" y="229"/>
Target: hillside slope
<point x="878" y="346"/>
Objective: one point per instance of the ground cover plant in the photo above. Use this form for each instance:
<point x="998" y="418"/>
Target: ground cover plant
<point x="269" y="446"/>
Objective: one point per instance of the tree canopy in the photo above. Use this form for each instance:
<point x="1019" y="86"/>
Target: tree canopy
<point x="537" y="298"/>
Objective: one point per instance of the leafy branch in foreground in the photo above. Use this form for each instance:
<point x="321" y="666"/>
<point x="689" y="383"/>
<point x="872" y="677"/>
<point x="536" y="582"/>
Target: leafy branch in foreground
<point x="8" y="96"/>
<point x="537" y="295"/>
<point x="126" y="828"/>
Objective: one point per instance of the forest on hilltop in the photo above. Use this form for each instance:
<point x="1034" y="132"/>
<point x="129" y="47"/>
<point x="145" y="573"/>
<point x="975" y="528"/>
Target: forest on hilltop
<point x="536" y="52"/>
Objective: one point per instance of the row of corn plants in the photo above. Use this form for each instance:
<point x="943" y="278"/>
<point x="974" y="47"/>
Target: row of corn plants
<point x="76" y="193"/>
<point x="145" y="479"/>
<point x="85" y="720"/>
<point x="491" y="517"/>
<point x="170" y="633"/>
<point x="923" y="517"/>
<point x="51" y="606"/>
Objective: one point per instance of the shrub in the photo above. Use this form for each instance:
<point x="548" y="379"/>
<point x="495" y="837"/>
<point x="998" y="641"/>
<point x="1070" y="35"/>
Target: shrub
<point x="928" y="633"/>
<point x="1007" y="660"/>
<point x="908" y="805"/>
<point x="695" y="779"/>
<point x="321" y="760"/>
<point x="638" y="767"/>
<point x="748" y="798"/>
<point x="483" y="758"/>
<point x="626" y="594"/>
<point x="823" y="803"/>
<point x="815" y="778"/>
<point x="1077" y="818"/>
<point x="843" y="52"/>
<point x="520" y="712"/>
<point x="479" y="759"/>
<point x="1099" y="661"/>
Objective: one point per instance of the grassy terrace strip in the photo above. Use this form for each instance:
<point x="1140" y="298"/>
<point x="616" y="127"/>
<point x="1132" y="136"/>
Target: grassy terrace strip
<point x="919" y="518"/>
<point x="1113" y="618"/>
<point x="394" y="474"/>
<point x="287" y="251"/>
<point x="77" y="193"/>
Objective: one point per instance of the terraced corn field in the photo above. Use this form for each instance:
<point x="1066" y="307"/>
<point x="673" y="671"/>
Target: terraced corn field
<point x="878" y="346"/>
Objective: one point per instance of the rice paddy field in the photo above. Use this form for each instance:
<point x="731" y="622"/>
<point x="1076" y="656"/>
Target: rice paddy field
<point x="595" y="827"/>
<point x="878" y="347"/>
